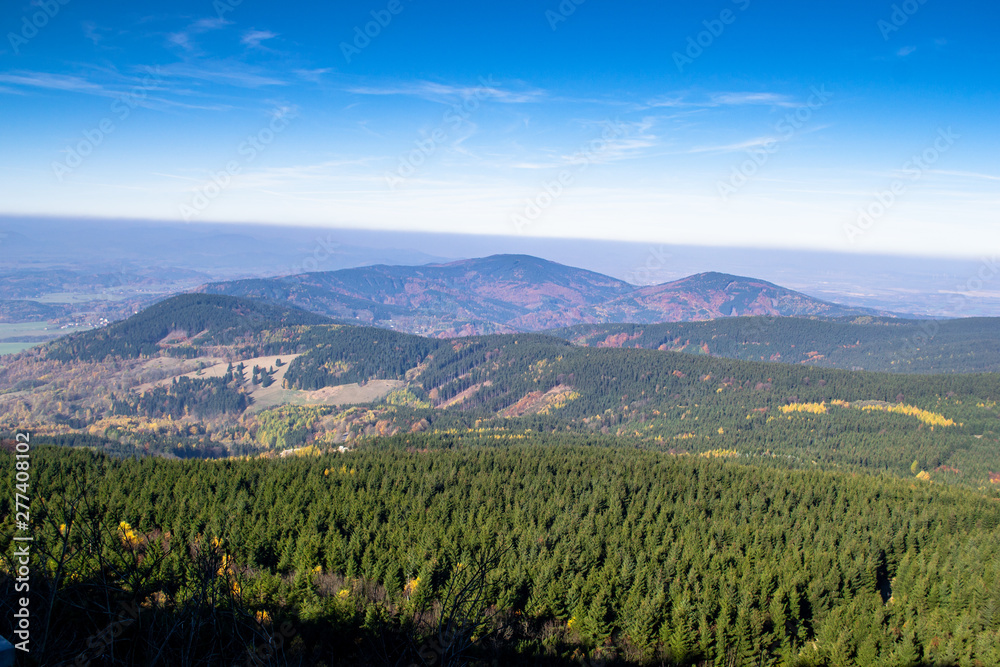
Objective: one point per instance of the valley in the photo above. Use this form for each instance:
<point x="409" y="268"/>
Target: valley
<point x="488" y="334"/>
<point x="203" y="373"/>
<point x="679" y="493"/>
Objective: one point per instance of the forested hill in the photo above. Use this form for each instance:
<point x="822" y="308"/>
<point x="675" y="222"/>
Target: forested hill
<point x="20" y="310"/>
<point x="943" y="425"/>
<point x="946" y="424"/>
<point x="515" y="293"/>
<point x="180" y="321"/>
<point x="863" y="343"/>
<point x="570" y="553"/>
<point x="714" y="295"/>
<point x="603" y="505"/>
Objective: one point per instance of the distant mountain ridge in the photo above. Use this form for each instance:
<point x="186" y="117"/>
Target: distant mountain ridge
<point x="518" y="293"/>
<point x="709" y="296"/>
<point x="182" y="325"/>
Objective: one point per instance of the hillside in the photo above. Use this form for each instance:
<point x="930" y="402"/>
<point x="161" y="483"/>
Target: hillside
<point x="179" y="322"/>
<point x="707" y="296"/>
<point x="567" y="552"/>
<point x="862" y="343"/>
<point x="23" y="310"/>
<point x="201" y="399"/>
<point x="607" y="504"/>
<point x="510" y="293"/>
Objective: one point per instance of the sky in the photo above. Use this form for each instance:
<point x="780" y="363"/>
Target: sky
<point x="859" y="126"/>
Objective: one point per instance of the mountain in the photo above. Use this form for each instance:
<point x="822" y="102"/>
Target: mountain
<point x="208" y="361"/>
<point x="501" y="293"/>
<point x="180" y="321"/>
<point x="183" y="324"/>
<point x="516" y="293"/>
<point x="840" y="501"/>
<point x="244" y="400"/>
<point x="708" y="296"/>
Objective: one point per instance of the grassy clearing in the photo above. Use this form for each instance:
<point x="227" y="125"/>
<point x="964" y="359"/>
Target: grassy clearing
<point x="8" y="330"/>
<point x="77" y="297"/>
<point x="269" y="397"/>
<point x="28" y="329"/>
<point x="14" y="348"/>
<point x="345" y="394"/>
<point x="34" y="329"/>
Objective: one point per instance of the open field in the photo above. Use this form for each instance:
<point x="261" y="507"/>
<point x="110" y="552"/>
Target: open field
<point x="42" y="331"/>
<point x="28" y="329"/>
<point x="215" y="368"/>
<point x="81" y="297"/>
<point x="269" y="397"/>
<point x="36" y="329"/>
<point x="345" y="394"/>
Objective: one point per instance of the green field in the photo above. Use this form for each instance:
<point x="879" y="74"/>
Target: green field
<point x="14" y="348"/>
<point x="78" y="297"/>
<point x="26" y="329"/>
<point x="20" y="329"/>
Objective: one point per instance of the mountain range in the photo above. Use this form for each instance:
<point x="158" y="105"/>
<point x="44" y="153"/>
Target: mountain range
<point x="519" y="293"/>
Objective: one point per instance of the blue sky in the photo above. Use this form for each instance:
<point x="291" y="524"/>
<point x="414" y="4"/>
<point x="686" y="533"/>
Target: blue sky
<point x="853" y="126"/>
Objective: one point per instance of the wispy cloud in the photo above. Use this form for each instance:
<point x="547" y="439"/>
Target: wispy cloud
<point x="225" y="72"/>
<point x="739" y="99"/>
<point x="966" y="174"/>
<point x="628" y="141"/>
<point x="735" y="148"/>
<point x="694" y="100"/>
<point x="48" y="81"/>
<point x="212" y="23"/>
<point x="253" y="38"/>
<point x="282" y="109"/>
<point x="92" y="32"/>
<point x="439" y="92"/>
<point x="905" y="51"/>
<point x="670" y="101"/>
<point x="313" y="75"/>
<point x="183" y="38"/>
<point x="162" y="87"/>
<point x="161" y="102"/>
